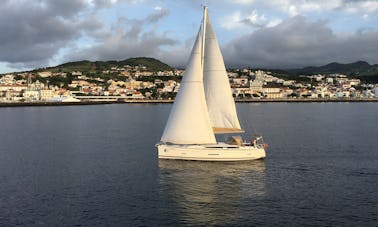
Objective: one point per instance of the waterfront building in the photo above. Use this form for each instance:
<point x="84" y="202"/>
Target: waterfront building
<point x="368" y="94"/>
<point x="286" y="92"/>
<point x="274" y="95"/>
<point x="346" y="94"/>
<point x="240" y="82"/>
<point x="267" y="90"/>
<point x="375" y="91"/>
<point x="314" y="95"/>
<point x="241" y="92"/>
<point x="31" y="95"/>
<point x="256" y="86"/>
<point x="13" y="87"/>
<point x="46" y="94"/>
<point x="272" y="92"/>
<point x="137" y="95"/>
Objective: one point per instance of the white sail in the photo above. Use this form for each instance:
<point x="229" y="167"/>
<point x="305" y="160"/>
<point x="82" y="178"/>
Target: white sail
<point x="189" y="122"/>
<point x="220" y="103"/>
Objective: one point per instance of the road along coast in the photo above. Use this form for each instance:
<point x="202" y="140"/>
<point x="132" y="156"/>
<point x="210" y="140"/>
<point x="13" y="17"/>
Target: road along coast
<point x="153" y="101"/>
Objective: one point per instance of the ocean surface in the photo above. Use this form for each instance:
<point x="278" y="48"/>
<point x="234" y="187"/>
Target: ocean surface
<point x="97" y="166"/>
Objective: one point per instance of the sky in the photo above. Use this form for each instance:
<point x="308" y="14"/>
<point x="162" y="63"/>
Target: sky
<point x="253" y="33"/>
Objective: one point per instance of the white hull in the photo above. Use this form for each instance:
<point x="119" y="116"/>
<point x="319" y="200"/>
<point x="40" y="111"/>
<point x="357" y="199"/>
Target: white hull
<point x="219" y="152"/>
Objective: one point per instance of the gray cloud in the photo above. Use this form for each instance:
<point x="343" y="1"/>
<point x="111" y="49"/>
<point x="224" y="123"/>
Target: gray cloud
<point x="102" y="3"/>
<point x="298" y="42"/>
<point x="127" y="38"/>
<point x="109" y="3"/>
<point x="33" y="32"/>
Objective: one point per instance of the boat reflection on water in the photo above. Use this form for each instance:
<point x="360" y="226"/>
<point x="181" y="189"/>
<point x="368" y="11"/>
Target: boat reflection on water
<point x="210" y="193"/>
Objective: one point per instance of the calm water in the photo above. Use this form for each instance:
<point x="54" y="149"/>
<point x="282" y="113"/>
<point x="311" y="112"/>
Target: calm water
<point x="97" y="166"/>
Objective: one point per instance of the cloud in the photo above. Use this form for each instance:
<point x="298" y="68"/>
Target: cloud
<point x="34" y="31"/>
<point x="45" y="32"/>
<point x="37" y="33"/>
<point x="253" y="19"/>
<point x="127" y="38"/>
<point x="232" y="21"/>
<point x="298" y="42"/>
<point x="243" y="2"/>
<point x="355" y="6"/>
<point x="301" y="7"/>
<point x="110" y="3"/>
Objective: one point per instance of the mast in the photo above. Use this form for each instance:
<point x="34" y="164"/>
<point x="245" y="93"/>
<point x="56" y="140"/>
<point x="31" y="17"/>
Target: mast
<point x="203" y="35"/>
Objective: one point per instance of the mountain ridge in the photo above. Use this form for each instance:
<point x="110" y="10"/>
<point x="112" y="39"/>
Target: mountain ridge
<point x="359" y="69"/>
<point x="353" y="68"/>
<point x="151" y="64"/>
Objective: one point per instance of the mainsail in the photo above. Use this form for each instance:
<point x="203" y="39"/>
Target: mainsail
<point x="220" y="103"/>
<point x="189" y="122"/>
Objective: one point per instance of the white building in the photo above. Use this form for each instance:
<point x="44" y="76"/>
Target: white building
<point x="288" y="82"/>
<point x="354" y="82"/>
<point x="375" y="91"/>
<point x="77" y="73"/>
<point x="46" y="94"/>
<point x="13" y="87"/>
<point x="31" y="95"/>
<point x="7" y="79"/>
<point x="274" y="95"/>
<point x="240" y="81"/>
<point x="45" y="74"/>
<point x="272" y="92"/>
<point x="329" y="80"/>
<point x="256" y="86"/>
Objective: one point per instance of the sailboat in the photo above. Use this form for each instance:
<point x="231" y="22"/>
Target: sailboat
<point x="203" y="107"/>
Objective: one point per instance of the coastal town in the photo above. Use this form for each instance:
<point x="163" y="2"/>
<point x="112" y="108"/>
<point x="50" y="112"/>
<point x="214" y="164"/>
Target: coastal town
<point x="130" y="83"/>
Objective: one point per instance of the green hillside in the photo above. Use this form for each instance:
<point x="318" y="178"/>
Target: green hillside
<point x="152" y="64"/>
<point x="92" y="67"/>
<point x="84" y="66"/>
<point x="359" y="69"/>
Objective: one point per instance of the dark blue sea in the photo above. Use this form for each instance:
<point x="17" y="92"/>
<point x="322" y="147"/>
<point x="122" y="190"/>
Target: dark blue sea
<point x="97" y="166"/>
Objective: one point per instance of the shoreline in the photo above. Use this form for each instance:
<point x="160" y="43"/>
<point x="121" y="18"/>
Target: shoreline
<point x="143" y="101"/>
<point x="310" y="100"/>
